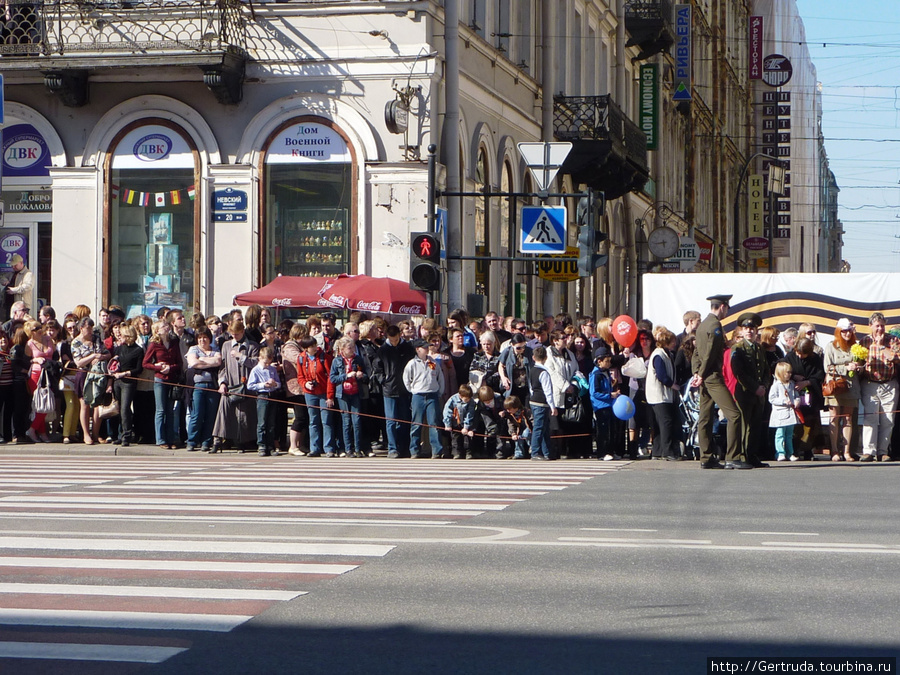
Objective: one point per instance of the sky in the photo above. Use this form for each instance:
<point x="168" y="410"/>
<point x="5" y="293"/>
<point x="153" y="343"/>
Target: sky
<point x="855" y="47"/>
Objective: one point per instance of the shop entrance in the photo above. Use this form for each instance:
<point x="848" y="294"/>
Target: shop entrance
<point x="25" y="239"/>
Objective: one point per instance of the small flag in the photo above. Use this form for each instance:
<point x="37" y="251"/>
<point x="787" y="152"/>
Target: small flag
<point x="160" y="199"/>
<point x="145" y="199"/>
<point x="175" y="196"/>
<point x="129" y="196"/>
<point x="191" y="193"/>
<point x="114" y="191"/>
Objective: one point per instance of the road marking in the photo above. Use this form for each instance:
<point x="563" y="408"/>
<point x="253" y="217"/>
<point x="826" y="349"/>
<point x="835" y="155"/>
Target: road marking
<point x="176" y="565"/>
<point x="236" y="547"/>
<point x="821" y="544"/>
<point x="87" y="652"/>
<point x="784" y="534"/>
<point x="151" y="591"/>
<point x="614" y="529"/>
<point x="217" y="623"/>
<point x="613" y="540"/>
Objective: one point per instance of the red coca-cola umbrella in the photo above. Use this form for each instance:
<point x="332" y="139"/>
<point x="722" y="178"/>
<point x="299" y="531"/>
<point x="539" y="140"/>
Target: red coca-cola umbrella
<point x="287" y="291"/>
<point x="373" y="294"/>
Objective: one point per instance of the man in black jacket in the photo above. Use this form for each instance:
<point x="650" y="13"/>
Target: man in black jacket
<point x="390" y="361"/>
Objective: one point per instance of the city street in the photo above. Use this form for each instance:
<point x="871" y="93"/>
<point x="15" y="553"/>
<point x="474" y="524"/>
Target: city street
<point x="239" y="564"/>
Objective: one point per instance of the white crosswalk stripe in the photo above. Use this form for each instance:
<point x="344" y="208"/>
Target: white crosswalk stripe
<point x="70" y="574"/>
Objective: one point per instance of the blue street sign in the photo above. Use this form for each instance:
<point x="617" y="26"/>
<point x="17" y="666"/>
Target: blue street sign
<point x="543" y="229"/>
<point x="440" y="226"/>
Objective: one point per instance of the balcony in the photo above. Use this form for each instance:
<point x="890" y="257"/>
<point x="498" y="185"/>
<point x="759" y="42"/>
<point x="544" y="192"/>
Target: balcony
<point x="649" y="24"/>
<point x="67" y="41"/>
<point x="609" y="151"/>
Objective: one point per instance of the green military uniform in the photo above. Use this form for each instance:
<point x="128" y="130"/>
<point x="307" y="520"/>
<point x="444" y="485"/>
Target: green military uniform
<point x="707" y="363"/>
<point x="752" y="372"/>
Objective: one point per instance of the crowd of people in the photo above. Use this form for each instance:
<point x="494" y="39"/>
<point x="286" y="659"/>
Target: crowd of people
<point x="492" y="387"/>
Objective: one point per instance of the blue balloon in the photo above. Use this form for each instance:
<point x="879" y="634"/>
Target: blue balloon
<point x="623" y="408"/>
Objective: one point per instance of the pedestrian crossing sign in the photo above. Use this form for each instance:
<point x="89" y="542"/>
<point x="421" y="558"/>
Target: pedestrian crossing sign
<point x="543" y="229"/>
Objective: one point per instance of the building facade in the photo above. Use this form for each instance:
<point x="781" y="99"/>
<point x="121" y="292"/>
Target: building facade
<point x="179" y="153"/>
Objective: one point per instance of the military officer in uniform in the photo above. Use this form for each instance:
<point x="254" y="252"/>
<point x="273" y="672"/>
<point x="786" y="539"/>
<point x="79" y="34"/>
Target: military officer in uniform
<point x="707" y="367"/>
<point x="753" y="381"/>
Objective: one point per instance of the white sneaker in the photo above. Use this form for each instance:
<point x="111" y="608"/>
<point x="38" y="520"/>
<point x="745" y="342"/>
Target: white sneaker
<point x="297" y="452"/>
<point x="794" y="458"/>
<point x="608" y="458"/>
<point x="780" y="458"/>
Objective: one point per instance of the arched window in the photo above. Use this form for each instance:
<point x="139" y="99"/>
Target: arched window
<point x="308" y="193"/>
<point x="482" y="225"/>
<point x="152" y="227"/>
<point x="507" y="240"/>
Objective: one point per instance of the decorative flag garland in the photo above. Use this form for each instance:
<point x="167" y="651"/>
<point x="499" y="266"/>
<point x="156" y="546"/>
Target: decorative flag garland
<point x="156" y="199"/>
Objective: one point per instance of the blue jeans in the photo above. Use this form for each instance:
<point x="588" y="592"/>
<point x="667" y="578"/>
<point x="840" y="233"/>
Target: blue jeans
<point x="265" y="423"/>
<point x="397" y="408"/>
<point x="319" y="425"/>
<point x="165" y="413"/>
<point x="540" y="437"/>
<point x="204" y="408"/>
<point x="351" y="424"/>
<point x="521" y="444"/>
<point x="425" y="410"/>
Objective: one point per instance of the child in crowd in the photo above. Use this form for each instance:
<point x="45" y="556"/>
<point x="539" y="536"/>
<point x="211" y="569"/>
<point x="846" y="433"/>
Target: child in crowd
<point x="424" y="379"/>
<point x="264" y="382"/>
<point x="784" y="399"/>
<point x="518" y="420"/>
<point x="490" y="413"/>
<point x="459" y="420"/>
<point x="602" y="397"/>
<point x="541" y="402"/>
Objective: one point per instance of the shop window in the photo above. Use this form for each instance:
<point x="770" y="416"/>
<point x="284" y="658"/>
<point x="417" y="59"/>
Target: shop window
<point x="482" y="235"/>
<point x="152" y="228"/>
<point x="309" y="191"/>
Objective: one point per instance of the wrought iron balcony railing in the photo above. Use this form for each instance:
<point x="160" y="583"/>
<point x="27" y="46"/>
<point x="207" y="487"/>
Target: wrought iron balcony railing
<point x="125" y="27"/>
<point x="598" y="118"/>
<point x="649" y="25"/>
<point x="610" y="150"/>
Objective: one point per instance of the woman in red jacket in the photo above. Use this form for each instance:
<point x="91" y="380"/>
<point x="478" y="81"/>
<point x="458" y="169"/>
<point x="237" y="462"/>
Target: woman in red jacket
<point x="313" y="367"/>
<point x="163" y="357"/>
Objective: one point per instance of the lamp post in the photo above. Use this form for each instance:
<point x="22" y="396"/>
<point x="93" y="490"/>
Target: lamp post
<point x="737" y="210"/>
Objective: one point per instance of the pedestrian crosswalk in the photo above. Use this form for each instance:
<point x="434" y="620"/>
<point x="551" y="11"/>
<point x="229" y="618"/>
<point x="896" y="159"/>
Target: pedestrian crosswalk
<point x="125" y="560"/>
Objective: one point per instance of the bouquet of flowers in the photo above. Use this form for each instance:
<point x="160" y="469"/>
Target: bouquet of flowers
<point x="859" y="353"/>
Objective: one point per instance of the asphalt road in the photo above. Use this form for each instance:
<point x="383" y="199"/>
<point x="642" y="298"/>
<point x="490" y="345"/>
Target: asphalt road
<point x="457" y="567"/>
<point x="648" y="570"/>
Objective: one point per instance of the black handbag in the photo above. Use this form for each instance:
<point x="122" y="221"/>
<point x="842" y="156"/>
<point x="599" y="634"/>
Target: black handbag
<point x="575" y="411"/>
<point x="237" y="392"/>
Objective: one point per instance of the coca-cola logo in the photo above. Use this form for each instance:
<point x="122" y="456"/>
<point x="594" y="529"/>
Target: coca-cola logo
<point x="373" y="306"/>
<point x="336" y="300"/>
<point x="409" y="309"/>
<point x="281" y="302"/>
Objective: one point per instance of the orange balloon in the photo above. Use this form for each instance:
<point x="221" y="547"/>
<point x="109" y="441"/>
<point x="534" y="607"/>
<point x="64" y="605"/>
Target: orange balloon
<point x="624" y="330"/>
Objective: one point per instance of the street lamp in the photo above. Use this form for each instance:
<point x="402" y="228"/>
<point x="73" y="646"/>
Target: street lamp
<point x="737" y="211"/>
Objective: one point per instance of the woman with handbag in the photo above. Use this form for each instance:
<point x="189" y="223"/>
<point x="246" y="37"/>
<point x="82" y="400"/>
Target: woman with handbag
<point x="163" y="357"/>
<point x="662" y="388"/>
<point x="87" y="351"/>
<point x="130" y="357"/>
<point x="841" y="390"/>
<point x="40" y="350"/>
<point x="483" y="369"/>
<point x="236" y="417"/>
<point x="562" y="367"/>
<point x="808" y="375"/>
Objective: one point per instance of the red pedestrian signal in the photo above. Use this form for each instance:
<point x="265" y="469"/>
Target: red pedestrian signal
<point x="425" y="261"/>
<point x="426" y="246"/>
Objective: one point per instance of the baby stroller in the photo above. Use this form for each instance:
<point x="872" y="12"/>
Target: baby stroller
<point x="689" y="409"/>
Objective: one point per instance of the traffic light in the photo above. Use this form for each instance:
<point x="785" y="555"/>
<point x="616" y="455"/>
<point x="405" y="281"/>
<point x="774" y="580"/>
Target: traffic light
<point x="425" y="261"/>
<point x="588" y="214"/>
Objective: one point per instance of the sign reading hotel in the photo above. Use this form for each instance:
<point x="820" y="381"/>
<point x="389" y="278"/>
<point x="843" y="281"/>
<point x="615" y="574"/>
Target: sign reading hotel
<point x="649" y="106"/>
<point x="682" y="52"/>
<point x="308" y="143"/>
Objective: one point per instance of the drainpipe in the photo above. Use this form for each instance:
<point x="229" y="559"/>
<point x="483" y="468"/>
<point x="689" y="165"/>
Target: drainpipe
<point x="548" y="89"/>
<point x="451" y="151"/>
